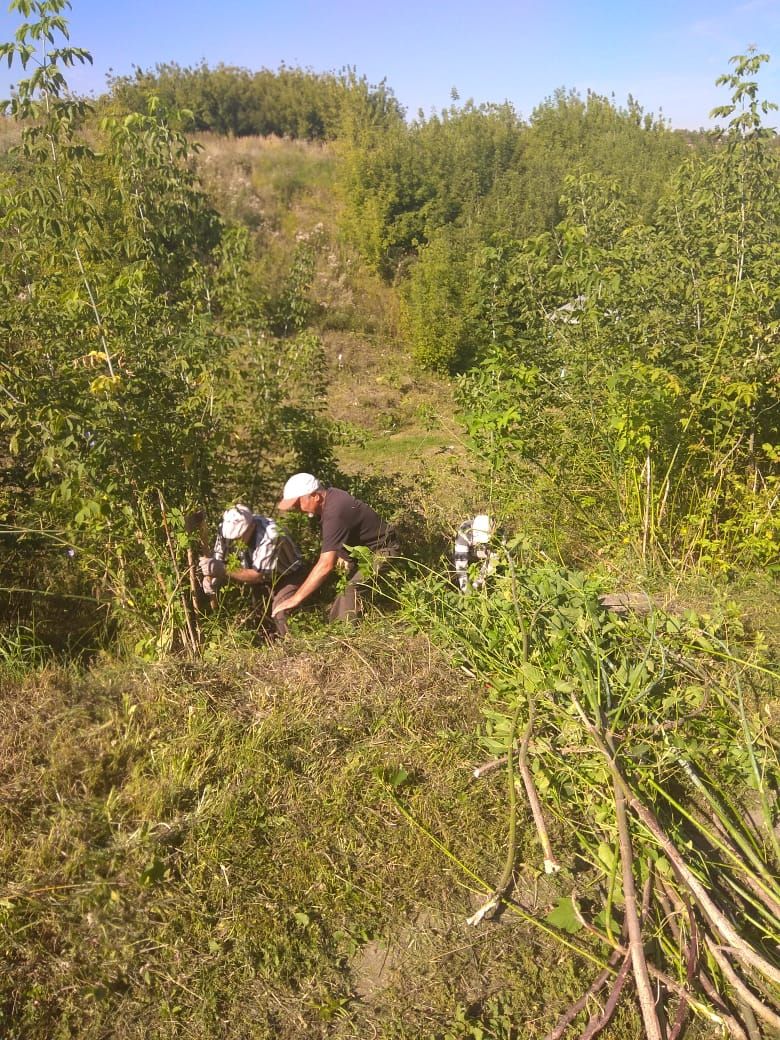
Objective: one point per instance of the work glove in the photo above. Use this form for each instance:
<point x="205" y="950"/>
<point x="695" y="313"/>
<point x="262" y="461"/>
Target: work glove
<point x="211" y="586"/>
<point x="212" y="568"/>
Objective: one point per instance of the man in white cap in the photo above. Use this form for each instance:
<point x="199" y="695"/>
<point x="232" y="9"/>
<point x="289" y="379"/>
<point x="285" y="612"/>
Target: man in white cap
<point x="346" y="522"/>
<point x="270" y="561"/>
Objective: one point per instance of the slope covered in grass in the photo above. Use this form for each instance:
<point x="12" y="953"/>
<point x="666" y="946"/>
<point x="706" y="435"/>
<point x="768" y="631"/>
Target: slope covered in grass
<point x="216" y="849"/>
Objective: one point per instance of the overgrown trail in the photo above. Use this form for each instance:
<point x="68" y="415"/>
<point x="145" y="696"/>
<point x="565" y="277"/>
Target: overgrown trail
<point x="397" y="428"/>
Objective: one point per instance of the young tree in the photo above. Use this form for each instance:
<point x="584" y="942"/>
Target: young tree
<point x="125" y="390"/>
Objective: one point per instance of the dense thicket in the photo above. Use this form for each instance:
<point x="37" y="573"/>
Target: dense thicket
<point x="473" y="170"/>
<point x="635" y="364"/>
<point x="142" y="371"/>
<point x="609" y="289"/>
<point x="288" y="102"/>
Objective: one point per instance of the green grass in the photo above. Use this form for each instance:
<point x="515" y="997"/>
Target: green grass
<point x="215" y="850"/>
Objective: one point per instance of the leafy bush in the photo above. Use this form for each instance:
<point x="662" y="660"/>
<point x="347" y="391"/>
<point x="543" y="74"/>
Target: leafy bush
<point x="484" y="170"/>
<point x="136" y="369"/>
<point x="635" y="364"/>
<point x="288" y="102"/>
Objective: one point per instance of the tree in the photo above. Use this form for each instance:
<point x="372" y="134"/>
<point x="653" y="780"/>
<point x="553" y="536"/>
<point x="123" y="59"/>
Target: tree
<point x="635" y="364"/>
<point x="126" y="392"/>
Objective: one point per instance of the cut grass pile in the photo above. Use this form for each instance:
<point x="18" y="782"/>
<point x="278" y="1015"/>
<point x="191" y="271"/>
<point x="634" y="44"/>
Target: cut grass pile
<point x="215" y="850"/>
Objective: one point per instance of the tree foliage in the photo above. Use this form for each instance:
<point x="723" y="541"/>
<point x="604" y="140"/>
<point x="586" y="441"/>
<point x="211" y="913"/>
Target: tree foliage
<point x="636" y="364"/>
<point x="288" y="102"/>
<point x="139" y="373"/>
<point x="484" y="170"/>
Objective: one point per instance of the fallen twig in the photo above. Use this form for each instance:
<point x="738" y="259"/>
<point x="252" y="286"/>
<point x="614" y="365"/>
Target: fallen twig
<point x="599" y="1022"/>
<point x="711" y="911"/>
<point x="635" y="944"/>
<point x="551" y="864"/>
<point x="745" y="994"/>
<point x="488" y="767"/>
<point x="672" y="900"/>
<point x="580" y="1004"/>
<point x="490" y="907"/>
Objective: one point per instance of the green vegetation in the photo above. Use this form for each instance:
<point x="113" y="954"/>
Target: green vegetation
<point x="153" y="349"/>
<point x="290" y="102"/>
<point x="571" y="323"/>
<point x="639" y="360"/>
<point x="611" y="714"/>
<point x="472" y="172"/>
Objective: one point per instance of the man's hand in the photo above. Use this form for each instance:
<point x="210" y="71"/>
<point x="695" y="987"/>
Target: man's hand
<point x="211" y="568"/>
<point x="288" y="603"/>
<point x="211" y="586"/>
<point x="316" y="577"/>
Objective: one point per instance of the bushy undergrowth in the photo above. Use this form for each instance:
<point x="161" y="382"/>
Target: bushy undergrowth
<point x="287" y="842"/>
<point x="163" y="379"/>
<point x="643" y="741"/>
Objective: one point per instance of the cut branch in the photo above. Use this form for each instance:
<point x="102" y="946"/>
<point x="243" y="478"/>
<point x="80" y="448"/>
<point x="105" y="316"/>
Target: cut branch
<point x="551" y="864"/>
<point x="636" y="946"/>
<point x="579" y="1005"/>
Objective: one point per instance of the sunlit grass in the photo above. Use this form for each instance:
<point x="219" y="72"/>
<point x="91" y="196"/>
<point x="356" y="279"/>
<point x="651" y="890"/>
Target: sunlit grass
<point x="212" y="849"/>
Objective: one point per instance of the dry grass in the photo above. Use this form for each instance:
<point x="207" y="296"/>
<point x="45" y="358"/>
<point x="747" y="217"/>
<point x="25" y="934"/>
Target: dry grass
<point x="200" y="850"/>
<point x="272" y="185"/>
<point x="9" y="133"/>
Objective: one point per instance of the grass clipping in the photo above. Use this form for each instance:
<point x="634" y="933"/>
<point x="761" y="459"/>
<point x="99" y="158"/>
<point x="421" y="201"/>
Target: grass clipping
<point x="201" y="849"/>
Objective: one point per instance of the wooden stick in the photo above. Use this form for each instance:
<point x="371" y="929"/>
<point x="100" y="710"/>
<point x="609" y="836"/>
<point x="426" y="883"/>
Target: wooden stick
<point x="579" y="1005"/>
<point x="743" y="991"/>
<point x="599" y="1022"/>
<point x="551" y="864"/>
<point x="636" y="946"/>
<point x="711" y="911"/>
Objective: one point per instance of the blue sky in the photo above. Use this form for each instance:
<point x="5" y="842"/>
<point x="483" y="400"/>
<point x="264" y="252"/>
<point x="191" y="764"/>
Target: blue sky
<point x="666" y="54"/>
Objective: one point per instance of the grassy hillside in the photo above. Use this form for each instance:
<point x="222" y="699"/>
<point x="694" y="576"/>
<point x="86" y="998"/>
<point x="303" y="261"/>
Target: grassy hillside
<point x="288" y="841"/>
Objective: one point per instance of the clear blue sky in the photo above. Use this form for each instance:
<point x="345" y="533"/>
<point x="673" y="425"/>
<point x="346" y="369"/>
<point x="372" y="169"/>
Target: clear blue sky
<point x="667" y="54"/>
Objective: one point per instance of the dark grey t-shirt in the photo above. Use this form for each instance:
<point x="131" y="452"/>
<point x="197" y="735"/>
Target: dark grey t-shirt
<point x="348" y="521"/>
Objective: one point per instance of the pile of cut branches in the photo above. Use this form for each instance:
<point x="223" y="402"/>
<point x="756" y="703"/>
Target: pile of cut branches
<point x="642" y="745"/>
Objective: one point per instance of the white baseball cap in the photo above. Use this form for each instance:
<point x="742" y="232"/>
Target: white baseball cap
<point x="236" y="521"/>
<point x="298" y="485"/>
<point x="481" y="529"/>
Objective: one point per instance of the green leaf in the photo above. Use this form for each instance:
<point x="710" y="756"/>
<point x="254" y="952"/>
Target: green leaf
<point x="563" y="916"/>
<point x="606" y="856"/>
<point x="397" y="777"/>
<point x="154" y="872"/>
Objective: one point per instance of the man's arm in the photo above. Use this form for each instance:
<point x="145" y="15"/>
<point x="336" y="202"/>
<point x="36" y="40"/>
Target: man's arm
<point x="319" y="572"/>
<point x="247" y="576"/>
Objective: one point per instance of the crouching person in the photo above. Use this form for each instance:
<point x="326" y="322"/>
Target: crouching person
<point x="345" y="522"/>
<point x="270" y="561"/>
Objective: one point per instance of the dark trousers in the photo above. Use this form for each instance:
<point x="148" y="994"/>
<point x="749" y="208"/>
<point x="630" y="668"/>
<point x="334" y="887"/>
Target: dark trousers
<point x="277" y="627"/>
<point x="348" y="604"/>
